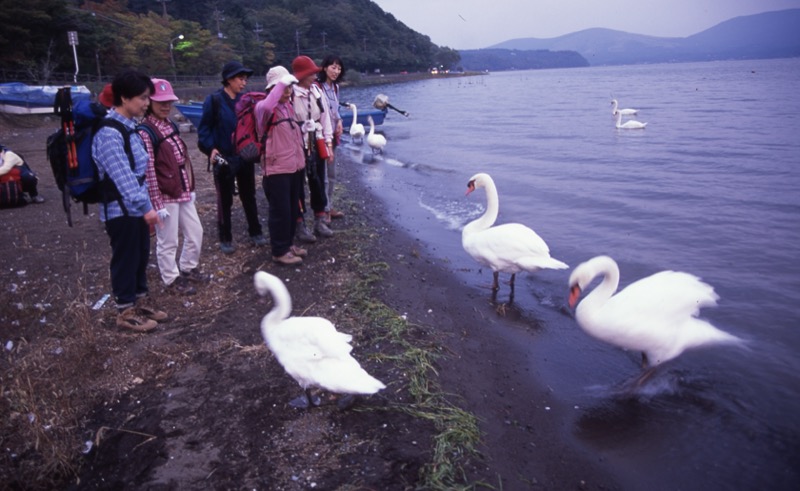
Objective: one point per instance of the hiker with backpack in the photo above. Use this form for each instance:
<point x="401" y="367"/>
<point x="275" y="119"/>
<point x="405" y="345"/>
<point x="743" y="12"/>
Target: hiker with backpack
<point x="283" y="165"/>
<point x="217" y="125"/>
<point x="121" y="159"/>
<point x="311" y="105"/>
<point x="170" y="182"/>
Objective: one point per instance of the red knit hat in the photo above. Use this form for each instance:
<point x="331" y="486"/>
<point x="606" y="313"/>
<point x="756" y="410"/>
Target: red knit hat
<point x="303" y="66"/>
<point x="106" y="97"/>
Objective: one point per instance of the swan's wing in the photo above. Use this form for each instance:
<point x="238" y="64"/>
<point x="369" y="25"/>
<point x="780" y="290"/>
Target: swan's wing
<point x="511" y="248"/>
<point x="308" y="338"/>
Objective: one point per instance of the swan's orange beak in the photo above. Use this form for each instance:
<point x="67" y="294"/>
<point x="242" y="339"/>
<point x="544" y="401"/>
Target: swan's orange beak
<point x="470" y="187"/>
<point x="574" y="295"/>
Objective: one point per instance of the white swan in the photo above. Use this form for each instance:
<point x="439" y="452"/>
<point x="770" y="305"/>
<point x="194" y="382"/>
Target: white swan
<point x="511" y="247"/>
<point x="624" y="112"/>
<point x="656" y="315"/>
<point x="630" y="124"/>
<point x="310" y="349"/>
<point x="356" y="128"/>
<point x="374" y="140"/>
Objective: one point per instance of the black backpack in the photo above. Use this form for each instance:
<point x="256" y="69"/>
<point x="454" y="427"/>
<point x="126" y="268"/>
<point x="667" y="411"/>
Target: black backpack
<point x="69" y="151"/>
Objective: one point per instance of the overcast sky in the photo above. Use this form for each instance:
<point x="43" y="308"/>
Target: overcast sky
<point x="473" y="24"/>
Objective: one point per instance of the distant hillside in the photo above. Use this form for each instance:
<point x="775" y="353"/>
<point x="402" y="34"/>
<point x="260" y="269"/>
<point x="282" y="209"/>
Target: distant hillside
<point x="506" y="59"/>
<point x="767" y="35"/>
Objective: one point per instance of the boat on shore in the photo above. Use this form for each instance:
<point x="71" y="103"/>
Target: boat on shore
<point x="193" y="111"/>
<point x="19" y="98"/>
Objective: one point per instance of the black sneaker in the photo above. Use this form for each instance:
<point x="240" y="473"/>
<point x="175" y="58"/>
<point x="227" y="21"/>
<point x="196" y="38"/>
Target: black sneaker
<point x="195" y="276"/>
<point x="181" y="286"/>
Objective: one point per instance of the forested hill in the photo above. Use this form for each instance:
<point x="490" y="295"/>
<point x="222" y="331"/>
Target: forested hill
<point x="114" y="34"/>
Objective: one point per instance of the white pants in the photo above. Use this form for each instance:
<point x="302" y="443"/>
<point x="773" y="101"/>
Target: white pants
<point x="182" y="218"/>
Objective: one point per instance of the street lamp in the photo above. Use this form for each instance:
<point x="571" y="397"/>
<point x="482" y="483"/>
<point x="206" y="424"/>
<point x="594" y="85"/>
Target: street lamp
<point x="171" y="54"/>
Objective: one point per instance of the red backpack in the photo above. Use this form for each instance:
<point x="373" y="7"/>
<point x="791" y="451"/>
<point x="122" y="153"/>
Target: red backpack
<point x="246" y="142"/>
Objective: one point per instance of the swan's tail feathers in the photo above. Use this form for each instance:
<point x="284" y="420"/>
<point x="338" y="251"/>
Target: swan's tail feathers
<point x="351" y="379"/>
<point x="533" y="264"/>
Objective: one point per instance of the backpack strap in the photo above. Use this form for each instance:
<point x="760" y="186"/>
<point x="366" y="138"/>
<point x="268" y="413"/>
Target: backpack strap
<point x="108" y="185"/>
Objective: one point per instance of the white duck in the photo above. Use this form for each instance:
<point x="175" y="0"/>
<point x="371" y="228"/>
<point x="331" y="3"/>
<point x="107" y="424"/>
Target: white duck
<point x="356" y="128"/>
<point x="624" y="112"/>
<point x="310" y="349"/>
<point x="511" y="247"/>
<point x="630" y="124"/>
<point x="375" y="140"/>
<point x="656" y="315"/>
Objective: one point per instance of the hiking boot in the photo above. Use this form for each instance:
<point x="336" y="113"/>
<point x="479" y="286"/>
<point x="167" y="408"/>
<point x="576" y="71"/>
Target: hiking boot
<point x="258" y="240"/>
<point x="336" y="214"/>
<point x="195" y="276"/>
<point x="303" y="235"/>
<point x="37" y="199"/>
<point x="151" y="313"/>
<point x="181" y="286"/>
<point x="321" y="229"/>
<point x="298" y="251"/>
<point x="227" y="247"/>
<point x="289" y="259"/>
<point x="129" y="319"/>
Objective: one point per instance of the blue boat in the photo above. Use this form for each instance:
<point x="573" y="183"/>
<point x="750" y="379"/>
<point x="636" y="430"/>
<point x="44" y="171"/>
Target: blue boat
<point x="193" y="111"/>
<point x="19" y="98"/>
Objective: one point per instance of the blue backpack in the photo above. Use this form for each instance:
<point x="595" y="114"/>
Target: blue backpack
<point x="69" y="151"/>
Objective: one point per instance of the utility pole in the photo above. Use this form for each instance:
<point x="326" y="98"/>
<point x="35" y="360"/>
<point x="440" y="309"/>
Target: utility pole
<point x="163" y="7"/>
<point x="297" y="41"/>
<point x="257" y="30"/>
<point x="324" y="46"/>
<point x="218" y="17"/>
<point x="72" y="37"/>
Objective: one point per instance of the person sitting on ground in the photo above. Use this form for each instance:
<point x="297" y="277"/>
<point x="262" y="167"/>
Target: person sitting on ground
<point x="170" y="182"/>
<point x="10" y="160"/>
<point x="127" y="212"/>
<point x="283" y="165"/>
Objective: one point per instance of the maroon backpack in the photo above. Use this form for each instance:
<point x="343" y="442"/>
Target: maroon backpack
<point x="246" y="142"/>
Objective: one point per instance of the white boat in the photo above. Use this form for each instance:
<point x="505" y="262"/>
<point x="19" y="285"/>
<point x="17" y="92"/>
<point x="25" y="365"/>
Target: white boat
<point x="19" y="98"/>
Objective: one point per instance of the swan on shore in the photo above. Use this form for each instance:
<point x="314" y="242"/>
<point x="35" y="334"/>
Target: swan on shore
<point x="356" y="128"/>
<point x="310" y="349"/>
<point x="656" y="315"/>
<point x="507" y="248"/>
<point x="375" y="140"/>
<point x="624" y="112"/>
<point x="630" y="124"/>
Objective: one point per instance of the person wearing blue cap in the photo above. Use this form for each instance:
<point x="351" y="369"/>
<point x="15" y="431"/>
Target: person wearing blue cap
<point x="214" y="139"/>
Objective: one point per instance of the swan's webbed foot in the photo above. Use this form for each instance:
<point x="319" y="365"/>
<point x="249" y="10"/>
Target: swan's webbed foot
<point x="306" y="400"/>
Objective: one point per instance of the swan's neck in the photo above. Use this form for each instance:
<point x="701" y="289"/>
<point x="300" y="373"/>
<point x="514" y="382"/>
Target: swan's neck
<point x="371" y="127"/>
<point x="614" y="103"/>
<point x="490" y="215"/>
<point x="355" y="115"/>
<point x="605" y="289"/>
<point x="283" y="305"/>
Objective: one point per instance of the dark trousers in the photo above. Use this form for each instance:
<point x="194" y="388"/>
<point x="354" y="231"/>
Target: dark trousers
<point x="284" y="194"/>
<point x="224" y="183"/>
<point x="316" y="184"/>
<point x="130" y="252"/>
<point x="29" y="180"/>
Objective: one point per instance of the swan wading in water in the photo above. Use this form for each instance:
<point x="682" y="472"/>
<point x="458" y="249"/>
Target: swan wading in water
<point x="507" y="248"/>
<point x="630" y="124"/>
<point x="310" y="349"/>
<point x="624" y="112"/>
<point x="656" y="315"/>
<point x="356" y="128"/>
<point x="374" y="140"/>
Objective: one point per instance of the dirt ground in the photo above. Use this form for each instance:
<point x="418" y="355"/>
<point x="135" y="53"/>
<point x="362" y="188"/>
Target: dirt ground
<point x="202" y="404"/>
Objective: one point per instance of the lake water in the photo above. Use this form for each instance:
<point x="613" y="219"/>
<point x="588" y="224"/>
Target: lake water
<point x="710" y="187"/>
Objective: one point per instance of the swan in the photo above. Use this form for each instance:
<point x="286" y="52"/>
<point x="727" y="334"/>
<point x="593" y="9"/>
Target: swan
<point x="511" y="247"/>
<point x="624" y="112"/>
<point x="656" y="315"/>
<point x="630" y="124"/>
<point x="374" y="140"/>
<point x="356" y="128"/>
<point x="310" y="349"/>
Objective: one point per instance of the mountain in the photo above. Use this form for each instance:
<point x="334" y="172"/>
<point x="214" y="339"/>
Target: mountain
<point x="766" y="35"/>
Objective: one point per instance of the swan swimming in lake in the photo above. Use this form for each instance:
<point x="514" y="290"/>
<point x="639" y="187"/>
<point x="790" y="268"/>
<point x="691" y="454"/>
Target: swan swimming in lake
<point x="375" y="140"/>
<point x="511" y="247"/>
<point x="356" y="128"/>
<point x="624" y="112"/>
<point x="630" y="124"/>
<point x="656" y="315"/>
<point x="310" y="349"/>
